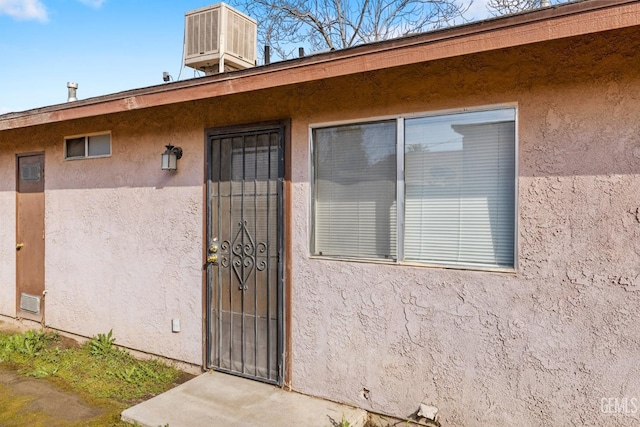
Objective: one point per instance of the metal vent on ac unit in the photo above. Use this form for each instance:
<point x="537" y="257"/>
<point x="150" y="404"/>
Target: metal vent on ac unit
<point x="240" y="36"/>
<point x="30" y="303"/>
<point x="202" y="33"/>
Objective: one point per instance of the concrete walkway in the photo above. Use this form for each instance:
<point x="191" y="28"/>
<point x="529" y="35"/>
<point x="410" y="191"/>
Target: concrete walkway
<point x="215" y="399"/>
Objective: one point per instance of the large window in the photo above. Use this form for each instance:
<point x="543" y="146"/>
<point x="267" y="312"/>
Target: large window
<point x="435" y="190"/>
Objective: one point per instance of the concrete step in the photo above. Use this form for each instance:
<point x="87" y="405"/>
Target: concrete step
<point x="215" y="399"/>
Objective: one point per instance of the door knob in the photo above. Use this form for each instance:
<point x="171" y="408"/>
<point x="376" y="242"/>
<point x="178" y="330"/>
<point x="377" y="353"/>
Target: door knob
<point x="19" y="246"/>
<point x="212" y="258"/>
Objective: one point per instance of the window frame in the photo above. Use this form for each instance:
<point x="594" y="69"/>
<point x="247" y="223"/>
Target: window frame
<point x="400" y="187"/>
<point x="86" y="137"/>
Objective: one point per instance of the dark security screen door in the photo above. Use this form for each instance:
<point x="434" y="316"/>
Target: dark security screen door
<point x="244" y="254"/>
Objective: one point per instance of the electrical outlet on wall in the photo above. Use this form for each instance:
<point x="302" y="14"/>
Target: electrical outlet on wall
<point x="175" y="325"/>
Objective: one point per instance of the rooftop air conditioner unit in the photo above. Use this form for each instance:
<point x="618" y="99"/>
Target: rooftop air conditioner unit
<point x="218" y="38"/>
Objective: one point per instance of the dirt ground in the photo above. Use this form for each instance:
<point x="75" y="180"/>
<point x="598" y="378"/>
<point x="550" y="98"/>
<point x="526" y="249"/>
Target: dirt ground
<point x="36" y="401"/>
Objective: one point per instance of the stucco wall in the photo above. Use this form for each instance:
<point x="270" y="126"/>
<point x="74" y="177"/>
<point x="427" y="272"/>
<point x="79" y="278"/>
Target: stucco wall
<point x="543" y="346"/>
<point x="7" y="234"/>
<point x="123" y="239"/>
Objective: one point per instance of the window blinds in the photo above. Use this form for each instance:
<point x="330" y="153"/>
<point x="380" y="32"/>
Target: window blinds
<point x="459" y="190"/>
<point x="355" y="175"/>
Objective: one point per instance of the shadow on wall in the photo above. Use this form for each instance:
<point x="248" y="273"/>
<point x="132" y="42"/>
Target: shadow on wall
<point x="576" y="114"/>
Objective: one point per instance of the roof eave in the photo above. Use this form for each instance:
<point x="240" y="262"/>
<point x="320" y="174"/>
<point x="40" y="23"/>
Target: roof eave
<point x="542" y="25"/>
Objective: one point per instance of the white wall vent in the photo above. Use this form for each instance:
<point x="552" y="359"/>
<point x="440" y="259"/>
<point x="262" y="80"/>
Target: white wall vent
<point x="218" y="38"/>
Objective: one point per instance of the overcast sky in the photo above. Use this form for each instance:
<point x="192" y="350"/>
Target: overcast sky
<point x="105" y="46"/>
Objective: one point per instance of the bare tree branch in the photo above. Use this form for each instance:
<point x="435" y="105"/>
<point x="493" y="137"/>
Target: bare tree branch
<point x="337" y="24"/>
<point x="356" y="28"/>
<point x="503" y="7"/>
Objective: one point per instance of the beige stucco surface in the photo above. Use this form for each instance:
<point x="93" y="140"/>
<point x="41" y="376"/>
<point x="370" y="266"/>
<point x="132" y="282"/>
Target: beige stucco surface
<point x="541" y="346"/>
<point x="123" y="239"/>
<point x="7" y="236"/>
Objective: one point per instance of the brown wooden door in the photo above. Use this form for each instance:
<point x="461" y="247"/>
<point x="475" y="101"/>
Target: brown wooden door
<point x="245" y="328"/>
<point x="30" y="237"/>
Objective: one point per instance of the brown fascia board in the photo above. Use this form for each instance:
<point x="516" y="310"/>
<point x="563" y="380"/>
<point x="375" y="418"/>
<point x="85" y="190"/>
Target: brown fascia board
<point x="567" y="20"/>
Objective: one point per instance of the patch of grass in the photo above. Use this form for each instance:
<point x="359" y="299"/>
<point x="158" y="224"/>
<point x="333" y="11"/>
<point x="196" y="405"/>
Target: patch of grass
<point x="102" y="345"/>
<point x="29" y="344"/>
<point x="102" y="374"/>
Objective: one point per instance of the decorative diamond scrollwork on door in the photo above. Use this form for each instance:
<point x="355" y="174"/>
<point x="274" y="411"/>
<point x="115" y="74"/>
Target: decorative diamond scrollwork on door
<point x="241" y="255"/>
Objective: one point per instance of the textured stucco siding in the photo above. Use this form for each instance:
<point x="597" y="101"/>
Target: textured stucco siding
<point x="123" y="239"/>
<point x="127" y="259"/>
<point x="542" y="346"/>
<point x="7" y="235"/>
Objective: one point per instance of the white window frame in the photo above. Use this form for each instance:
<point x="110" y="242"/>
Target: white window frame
<point x="86" y="137"/>
<point x="400" y="190"/>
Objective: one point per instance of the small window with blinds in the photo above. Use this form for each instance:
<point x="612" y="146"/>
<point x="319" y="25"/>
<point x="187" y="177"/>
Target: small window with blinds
<point x="80" y="147"/>
<point x="452" y="176"/>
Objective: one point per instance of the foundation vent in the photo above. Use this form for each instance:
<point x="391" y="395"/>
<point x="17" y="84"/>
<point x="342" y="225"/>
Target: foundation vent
<point x="30" y="303"/>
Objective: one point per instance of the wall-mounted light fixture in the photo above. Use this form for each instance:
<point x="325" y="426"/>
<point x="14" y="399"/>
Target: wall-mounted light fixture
<point x="170" y="158"/>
